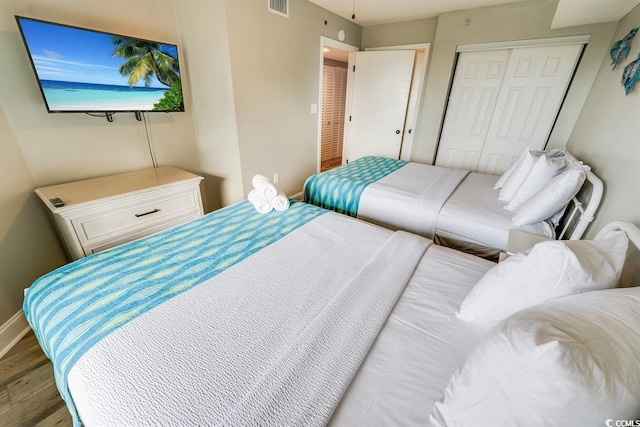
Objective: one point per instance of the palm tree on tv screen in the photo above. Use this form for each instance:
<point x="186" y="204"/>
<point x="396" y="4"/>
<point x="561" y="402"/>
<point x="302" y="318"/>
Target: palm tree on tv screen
<point x="143" y="60"/>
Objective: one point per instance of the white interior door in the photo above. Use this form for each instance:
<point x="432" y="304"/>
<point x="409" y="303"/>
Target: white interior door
<point x="377" y="103"/>
<point x="419" y="69"/>
<point x="501" y="102"/>
<point x="532" y="92"/>
<point x="474" y="93"/>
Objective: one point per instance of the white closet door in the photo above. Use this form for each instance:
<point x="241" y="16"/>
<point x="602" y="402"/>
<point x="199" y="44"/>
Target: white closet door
<point x="532" y="93"/>
<point x="379" y="100"/>
<point x="501" y="102"/>
<point x="472" y="101"/>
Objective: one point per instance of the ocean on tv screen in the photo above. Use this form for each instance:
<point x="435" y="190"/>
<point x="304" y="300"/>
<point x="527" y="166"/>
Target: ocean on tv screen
<point x="73" y="96"/>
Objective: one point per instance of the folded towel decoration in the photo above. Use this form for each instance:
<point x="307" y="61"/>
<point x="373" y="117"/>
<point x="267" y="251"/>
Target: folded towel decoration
<point x="266" y="197"/>
<point x="259" y="201"/>
<point x="264" y="186"/>
<point x="280" y="202"/>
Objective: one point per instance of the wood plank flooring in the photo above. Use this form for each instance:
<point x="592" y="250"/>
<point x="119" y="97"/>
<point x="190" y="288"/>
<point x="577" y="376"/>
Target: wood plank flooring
<point x="28" y="394"/>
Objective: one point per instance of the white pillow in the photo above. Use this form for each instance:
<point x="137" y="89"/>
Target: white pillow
<point x="551" y="269"/>
<point x="521" y="169"/>
<point x="574" y="361"/>
<point x="540" y="174"/>
<point x="553" y="197"/>
<point x="556" y="152"/>
<point x="516" y="177"/>
<point x="514" y="166"/>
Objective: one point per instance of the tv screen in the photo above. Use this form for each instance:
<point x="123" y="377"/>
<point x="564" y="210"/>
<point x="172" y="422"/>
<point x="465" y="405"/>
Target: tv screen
<point x="82" y="70"/>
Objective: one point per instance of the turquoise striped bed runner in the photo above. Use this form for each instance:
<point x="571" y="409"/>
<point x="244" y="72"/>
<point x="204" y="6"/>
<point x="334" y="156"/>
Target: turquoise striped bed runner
<point x="75" y="306"/>
<point x="339" y="189"/>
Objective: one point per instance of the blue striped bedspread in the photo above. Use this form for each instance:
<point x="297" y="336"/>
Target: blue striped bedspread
<point x="72" y="308"/>
<point x="339" y="189"/>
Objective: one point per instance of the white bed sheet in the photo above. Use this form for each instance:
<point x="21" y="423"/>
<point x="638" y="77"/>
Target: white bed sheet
<point x="473" y="214"/>
<point x="166" y="353"/>
<point x="409" y="198"/>
<point x="423" y="199"/>
<point x="422" y="344"/>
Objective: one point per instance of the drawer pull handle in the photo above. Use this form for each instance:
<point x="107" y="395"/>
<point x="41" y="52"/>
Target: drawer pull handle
<point x="147" y="213"/>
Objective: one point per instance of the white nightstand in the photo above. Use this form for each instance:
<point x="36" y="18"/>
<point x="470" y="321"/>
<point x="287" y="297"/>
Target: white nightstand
<point x="104" y="212"/>
<point x="520" y="240"/>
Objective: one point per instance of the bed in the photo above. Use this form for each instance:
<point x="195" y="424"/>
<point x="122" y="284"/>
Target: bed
<point x="296" y="317"/>
<point x="455" y="207"/>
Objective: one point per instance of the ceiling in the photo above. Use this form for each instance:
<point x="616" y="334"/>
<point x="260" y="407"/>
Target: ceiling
<point x="568" y="13"/>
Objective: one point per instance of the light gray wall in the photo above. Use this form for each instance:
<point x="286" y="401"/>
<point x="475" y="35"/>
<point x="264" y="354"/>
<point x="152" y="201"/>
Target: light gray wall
<point x="400" y="33"/>
<point x="256" y="120"/>
<point x="607" y="136"/>
<point x="250" y="78"/>
<point x="65" y="147"/>
<point x="37" y="148"/>
<point x="29" y="246"/>
<point x="516" y="21"/>
<point x="275" y="63"/>
<point x="203" y="30"/>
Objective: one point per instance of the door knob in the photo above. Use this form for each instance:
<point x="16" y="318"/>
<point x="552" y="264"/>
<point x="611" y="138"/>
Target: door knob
<point x="397" y="131"/>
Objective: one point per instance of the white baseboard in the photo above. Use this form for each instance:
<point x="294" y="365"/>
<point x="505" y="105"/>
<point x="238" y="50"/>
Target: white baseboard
<point x="12" y="331"/>
<point x="297" y="196"/>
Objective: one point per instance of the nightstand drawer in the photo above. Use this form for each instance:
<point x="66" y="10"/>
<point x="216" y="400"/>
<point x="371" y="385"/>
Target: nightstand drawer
<point x="129" y="217"/>
<point x="145" y="231"/>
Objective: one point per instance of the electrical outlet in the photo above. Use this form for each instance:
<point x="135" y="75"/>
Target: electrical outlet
<point x="276" y="178"/>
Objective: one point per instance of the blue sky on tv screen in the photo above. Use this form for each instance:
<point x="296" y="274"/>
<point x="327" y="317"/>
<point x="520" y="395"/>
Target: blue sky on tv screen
<point x="75" y="55"/>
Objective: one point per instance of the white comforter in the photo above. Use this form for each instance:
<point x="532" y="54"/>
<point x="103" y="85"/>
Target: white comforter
<point x="410" y="198"/>
<point x="460" y="208"/>
<point x="273" y="340"/>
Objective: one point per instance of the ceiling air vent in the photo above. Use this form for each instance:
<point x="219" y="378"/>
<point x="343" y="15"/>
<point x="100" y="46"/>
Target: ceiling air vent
<point x="279" y="7"/>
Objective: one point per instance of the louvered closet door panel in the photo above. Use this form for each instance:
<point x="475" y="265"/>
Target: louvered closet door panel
<point x="340" y="92"/>
<point x="474" y="93"/>
<point x="532" y="92"/>
<point x="327" y="134"/>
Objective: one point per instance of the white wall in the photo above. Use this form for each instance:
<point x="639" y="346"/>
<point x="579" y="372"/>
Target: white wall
<point x="607" y="136"/>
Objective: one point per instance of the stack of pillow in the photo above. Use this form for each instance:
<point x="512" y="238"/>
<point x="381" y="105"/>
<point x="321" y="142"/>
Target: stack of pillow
<point x="540" y="184"/>
<point x="565" y="346"/>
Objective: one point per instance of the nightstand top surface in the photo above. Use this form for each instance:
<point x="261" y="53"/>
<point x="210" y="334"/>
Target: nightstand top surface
<point x="77" y="192"/>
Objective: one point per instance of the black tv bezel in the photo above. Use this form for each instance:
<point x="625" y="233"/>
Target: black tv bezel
<point x="107" y="112"/>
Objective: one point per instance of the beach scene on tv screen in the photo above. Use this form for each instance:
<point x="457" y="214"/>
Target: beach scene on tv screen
<point x="83" y="70"/>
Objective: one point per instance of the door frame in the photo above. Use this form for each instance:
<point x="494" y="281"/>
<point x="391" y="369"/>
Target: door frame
<point x="329" y="42"/>
<point x="550" y="41"/>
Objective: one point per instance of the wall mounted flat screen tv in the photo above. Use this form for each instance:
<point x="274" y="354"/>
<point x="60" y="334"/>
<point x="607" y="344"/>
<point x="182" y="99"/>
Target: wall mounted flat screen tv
<point x="82" y="70"/>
